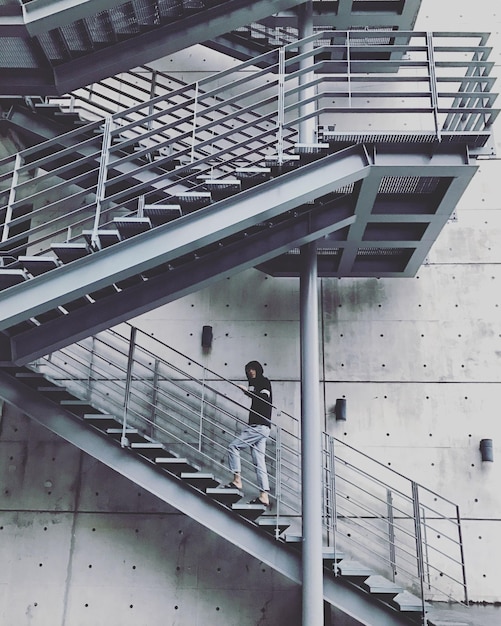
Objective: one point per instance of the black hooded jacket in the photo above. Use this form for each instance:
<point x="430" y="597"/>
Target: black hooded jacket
<point x="260" y="393"/>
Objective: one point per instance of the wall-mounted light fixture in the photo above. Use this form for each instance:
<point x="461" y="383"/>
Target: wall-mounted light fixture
<point x="486" y="450"/>
<point x="206" y="336"/>
<point x="340" y="410"/>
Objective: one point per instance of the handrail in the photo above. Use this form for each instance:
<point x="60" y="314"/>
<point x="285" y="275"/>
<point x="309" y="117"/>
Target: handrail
<point x="371" y="512"/>
<point x="156" y="151"/>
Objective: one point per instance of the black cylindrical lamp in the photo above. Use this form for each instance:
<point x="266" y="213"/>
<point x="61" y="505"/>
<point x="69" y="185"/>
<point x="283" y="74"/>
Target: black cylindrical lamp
<point x="206" y="336"/>
<point x="340" y="410"/>
<point x="486" y="450"/>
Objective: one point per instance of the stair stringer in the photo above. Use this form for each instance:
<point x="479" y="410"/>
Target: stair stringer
<point x="282" y="557"/>
<point x="164" y="244"/>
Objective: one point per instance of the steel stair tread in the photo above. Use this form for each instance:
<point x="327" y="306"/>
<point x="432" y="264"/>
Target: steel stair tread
<point x="380" y="585"/>
<point x="273" y="525"/>
<point x="79" y="407"/>
<point x="446" y="622"/>
<point x="131" y="434"/>
<point x="131" y="226"/>
<point x="69" y="252"/>
<point x="177" y="465"/>
<point x="102" y="421"/>
<point x="354" y="569"/>
<point x="105" y="236"/>
<point x="223" y="495"/>
<point x="160" y="214"/>
<point x="329" y="553"/>
<point x="200" y="480"/>
<point x="37" y="265"/>
<point x="247" y="510"/>
<point x="407" y="602"/>
<point x="10" y="277"/>
<point x="149" y="450"/>
<point x="60" y="393"/>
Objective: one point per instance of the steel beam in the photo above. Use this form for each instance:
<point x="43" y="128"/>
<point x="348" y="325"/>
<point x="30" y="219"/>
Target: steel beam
<point x="311" y="440"/>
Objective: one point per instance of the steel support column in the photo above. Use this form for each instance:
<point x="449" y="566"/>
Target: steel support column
<point x="311" y="442"/>
<point x="311" y="432"/>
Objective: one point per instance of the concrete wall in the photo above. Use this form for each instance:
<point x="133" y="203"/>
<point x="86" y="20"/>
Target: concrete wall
<point x="418" y="361"/>
<point x="80" y="545"/>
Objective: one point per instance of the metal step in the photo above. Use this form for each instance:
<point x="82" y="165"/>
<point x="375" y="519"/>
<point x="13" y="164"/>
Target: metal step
<point x="193" y="200"/>
<point x="105" y="237"/>
<point x="131" y="226"/>
<point x="131" y="434"/>
<point x="221" y="188"/>
<point x="33" y="379"/>
<point x="273" y="525"/>
<point x="354" y="569"/>
<point x="11" y="277"/>
<point x="200" y="480"/>
<point x="149" y="450"/>
<point x="249" y="511"/>
<point x="176" y="465"/>
<point x="329" y="553"/>
<point x="406" y="602"/>
<point x="102" y="421"/>
<point x="37" y="265"/>
<point x="447" y="622"/>
<point x="223" y="495"/>
<point x="381" y="586"/>
<point x="68" y="252"/>
<point x="251" y="176"/>
<point x="78" y="407"/>
<point x="56" y="393"/>
<point x="160" y="214"/>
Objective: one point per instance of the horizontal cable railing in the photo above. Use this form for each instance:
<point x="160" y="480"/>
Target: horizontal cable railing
<point x="417" y="87"/>
<point x="399" y="528"/>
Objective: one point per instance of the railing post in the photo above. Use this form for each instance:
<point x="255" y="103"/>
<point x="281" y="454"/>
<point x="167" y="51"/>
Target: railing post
<point x="333" y="520"/>
<point x="202" y="401"/>
<point x="278" y="477"/>
<point x="154" y="396"/>
<point x="101" y="181"/>
<point x="12" y="197"/>
<point x="461" y="550"/>
<point x="281" y="105"/>
<point x="306" y="94"/>
<point x="391" y="534"/>
<point x="419" y="540"/>
<point x="348" y="66"/>
<point x="130" y="363"/>
<point x="433" y="83"/>
<point x="193" y="132"/>
<point x="153" y="88"/>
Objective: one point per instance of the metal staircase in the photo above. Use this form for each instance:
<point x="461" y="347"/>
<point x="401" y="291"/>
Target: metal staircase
<point x="391" y="546"/>
<point x="54" y="47"/>
<point x="113" y="218"/>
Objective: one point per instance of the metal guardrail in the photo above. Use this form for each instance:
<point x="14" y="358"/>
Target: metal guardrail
<point x="418" y="87"/>
<point x="399" y="528"/>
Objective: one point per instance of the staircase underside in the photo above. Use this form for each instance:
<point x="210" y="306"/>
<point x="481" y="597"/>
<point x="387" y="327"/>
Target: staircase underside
<point x="52" y="47"/>
<point x="372" y="216"/>
<point x="282" y="557"/>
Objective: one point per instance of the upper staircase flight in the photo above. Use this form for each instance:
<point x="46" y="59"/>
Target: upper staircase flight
<point x="51" y="47"/>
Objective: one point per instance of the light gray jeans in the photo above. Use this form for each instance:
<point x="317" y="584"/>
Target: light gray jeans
<point x="253" y="437"/>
